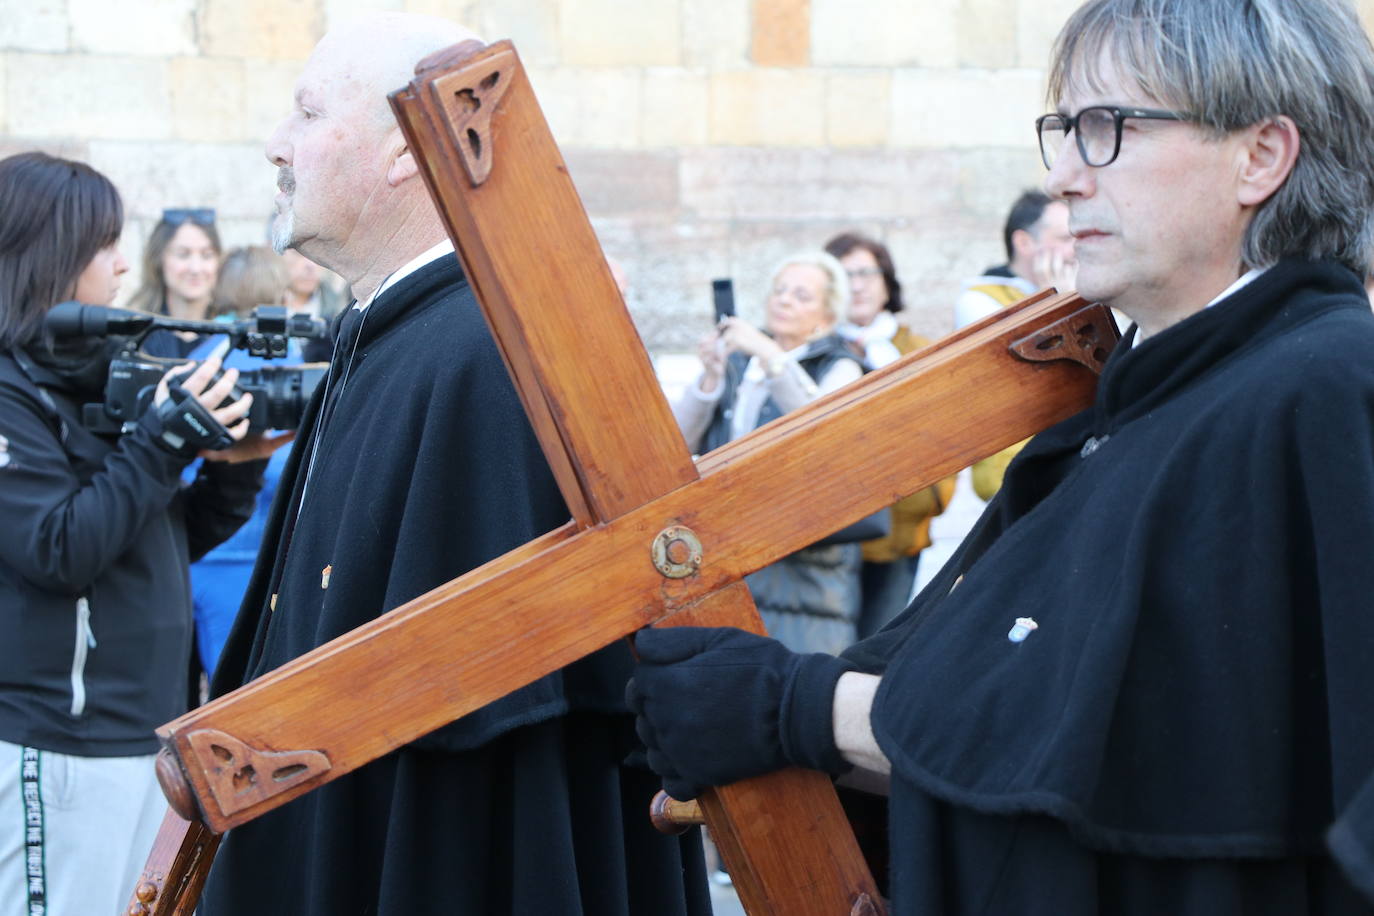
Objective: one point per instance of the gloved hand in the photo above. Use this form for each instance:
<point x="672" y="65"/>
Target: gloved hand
<point x="198" y="408"/>
<point x="717" y="705"/>
<point x="187" y="426"/>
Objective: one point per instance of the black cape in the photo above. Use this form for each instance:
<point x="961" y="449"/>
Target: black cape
<point x="1193" y="710"/>
<point x="426" y="467"/>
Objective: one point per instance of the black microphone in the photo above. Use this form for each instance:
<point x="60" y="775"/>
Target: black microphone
<point x="72" y="319"/>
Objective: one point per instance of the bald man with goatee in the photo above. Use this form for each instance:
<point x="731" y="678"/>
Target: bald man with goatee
<point x="416" y="464"/>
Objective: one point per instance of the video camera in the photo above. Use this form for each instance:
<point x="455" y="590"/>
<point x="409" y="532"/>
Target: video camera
<point x="279" y="393"/>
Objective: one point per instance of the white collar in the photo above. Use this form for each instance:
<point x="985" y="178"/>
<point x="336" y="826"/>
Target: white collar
<point x="414" y="264"/>
<point x="1244" y="280"/>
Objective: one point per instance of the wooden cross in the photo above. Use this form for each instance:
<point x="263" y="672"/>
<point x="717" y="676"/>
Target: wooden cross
<point x="657" y="538"/>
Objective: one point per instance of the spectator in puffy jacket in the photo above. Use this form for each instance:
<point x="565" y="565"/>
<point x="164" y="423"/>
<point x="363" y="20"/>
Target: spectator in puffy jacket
<point x="810" y="599"/>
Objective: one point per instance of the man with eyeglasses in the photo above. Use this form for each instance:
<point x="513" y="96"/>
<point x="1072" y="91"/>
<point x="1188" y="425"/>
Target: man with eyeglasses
<point x="1142" y="685"/>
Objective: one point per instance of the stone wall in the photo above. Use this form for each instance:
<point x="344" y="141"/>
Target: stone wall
<point x="708" y="137"/>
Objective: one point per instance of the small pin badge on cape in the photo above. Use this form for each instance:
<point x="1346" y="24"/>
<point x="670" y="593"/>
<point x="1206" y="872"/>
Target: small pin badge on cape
<point x="324" y="575"/>
<point x="1024" y="627"/>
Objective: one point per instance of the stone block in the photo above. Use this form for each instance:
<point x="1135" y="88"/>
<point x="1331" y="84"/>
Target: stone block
<point x="268" y="86"/>
<point x="87" y="97"/>
<point x="857" y="107"/>
<point x="1037" y="24"/>
<point x="716" y="34"/>
<point x="781" y="33"/>
<point x="131" y="244"/>
<point x="466" y="12"/>
<point x="884" y="33"/>
<point x="966" y="108"/>
<point x="67" y="148"/>
<point x="156" y="28"/>
<point x="625" y="184"/>
<point x="340" y="11"/>
<point x="531" y="24"/>
<point x="207" y="99"/>
<point x="819" y="184"/>
<point x="719" y="183"/>
<point x="33" y="25"/>
<point x="669" y="265"/>
<point x="235" y="179"/>
<point x="933" y="259"/>
<point x="598" y="109"/>
<point x="609" y="33"/>
<point x="987" y="33"/>
<point x="237" y="28"/>
<point x="675" y="108"/>
<point x="931" y="187"/>
<point x="238" y="232"/>
<point x="767" y="108"/>
<point x="988" y="180"/>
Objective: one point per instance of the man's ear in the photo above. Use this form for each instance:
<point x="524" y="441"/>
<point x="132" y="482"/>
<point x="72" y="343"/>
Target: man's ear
<point x="403" y="166"/>
<point x="1022" y="243"/>
<point x="1269" y="155"/>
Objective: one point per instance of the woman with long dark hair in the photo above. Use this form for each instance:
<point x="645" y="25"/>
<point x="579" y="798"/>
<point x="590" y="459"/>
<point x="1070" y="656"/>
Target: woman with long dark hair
<point x="97" y="533"/>
<point x="181" y="262"/>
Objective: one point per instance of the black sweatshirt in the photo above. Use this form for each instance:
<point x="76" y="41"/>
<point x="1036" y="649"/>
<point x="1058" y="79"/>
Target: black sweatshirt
<point x="95" y="540"/>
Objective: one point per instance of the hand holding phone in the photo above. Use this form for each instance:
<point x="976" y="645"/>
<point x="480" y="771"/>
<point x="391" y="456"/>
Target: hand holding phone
<point x="723" y="295"/>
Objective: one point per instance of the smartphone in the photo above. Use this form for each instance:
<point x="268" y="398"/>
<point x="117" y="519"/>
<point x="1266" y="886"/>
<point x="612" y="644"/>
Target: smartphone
<point x="723" y="294"/>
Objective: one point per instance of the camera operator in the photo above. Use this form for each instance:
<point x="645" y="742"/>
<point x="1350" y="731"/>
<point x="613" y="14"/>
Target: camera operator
<point x="97" y="534"/>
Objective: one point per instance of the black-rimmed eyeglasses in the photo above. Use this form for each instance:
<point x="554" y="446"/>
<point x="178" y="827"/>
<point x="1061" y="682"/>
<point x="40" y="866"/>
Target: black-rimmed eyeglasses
<point x="1097" y="130"/>
<point x="201" y="216"/>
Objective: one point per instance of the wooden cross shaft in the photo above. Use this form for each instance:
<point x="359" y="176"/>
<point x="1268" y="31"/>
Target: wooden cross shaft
<point x="487" y="156"/>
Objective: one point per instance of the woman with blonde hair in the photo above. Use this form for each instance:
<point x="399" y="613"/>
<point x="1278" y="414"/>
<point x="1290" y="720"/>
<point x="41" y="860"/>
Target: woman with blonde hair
<point x="809" y="600"/>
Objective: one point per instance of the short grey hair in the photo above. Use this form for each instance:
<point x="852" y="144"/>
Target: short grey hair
<point x="837" y="290"/>
<point x="1235" y="63"/>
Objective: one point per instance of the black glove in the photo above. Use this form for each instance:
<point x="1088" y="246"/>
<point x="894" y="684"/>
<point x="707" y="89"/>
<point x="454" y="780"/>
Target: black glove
<point x="717" y="705"/>
<point x="184" y="425"/>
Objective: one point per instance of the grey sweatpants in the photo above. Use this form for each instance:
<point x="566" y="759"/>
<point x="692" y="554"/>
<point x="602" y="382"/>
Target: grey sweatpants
<point x="74" y="831"/>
